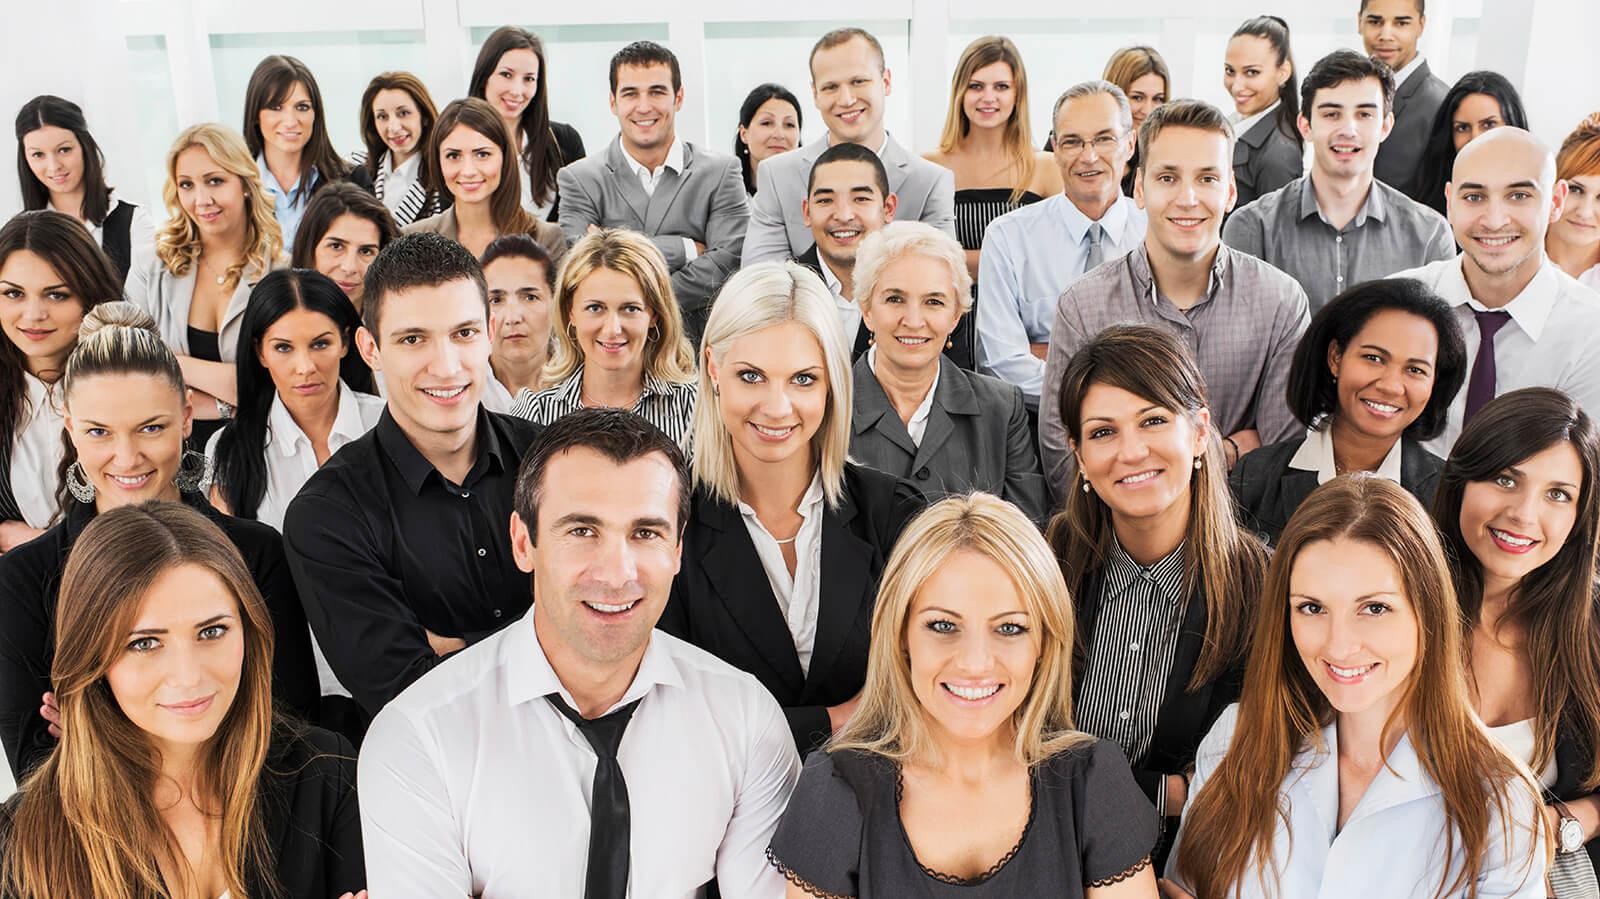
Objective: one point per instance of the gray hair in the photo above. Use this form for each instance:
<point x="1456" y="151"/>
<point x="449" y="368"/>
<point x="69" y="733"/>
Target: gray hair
<point x="1089" y="89"/>
<point x="908" y="238"/>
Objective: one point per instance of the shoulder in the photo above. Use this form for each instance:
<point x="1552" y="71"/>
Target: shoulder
<point x="589" y="168"/>
<point x="519" y="431"/>
<point x="870" y="488"/>
<point x="1216" y="742"/>
<point x="707" y="157"/>
<point x="1430" y="274"/>
<point x="990" y="388"/>
<point x="25" y="568"/>
<point x="1254" y="274"/>
<point x="1021" y="218"/>
<point x="1268" y="204"/>
<point x="569" y="140"/>
<point x="308" y="753"/>
<point x="1269" y="459"/>
<point x="716" y="682"/>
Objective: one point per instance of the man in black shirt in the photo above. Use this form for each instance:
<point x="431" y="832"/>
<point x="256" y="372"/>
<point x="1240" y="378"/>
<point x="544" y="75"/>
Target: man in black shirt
<point x="399" y="544"/>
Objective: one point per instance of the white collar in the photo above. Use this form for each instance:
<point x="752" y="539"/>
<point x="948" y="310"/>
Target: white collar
<point x="1530" y="309"/>
<point x="673" y="161"/>
<point x="924" y="408"/>
<point x="1077" y="222"/>
<point x="881" y="147"/>
<point x="405" y="169"/>
<point x="832" y="280"/>
<point x="287" y="436"/>
<point x="1241" y="125"/>
<point x="529" y="675"/>
<point x="1316" y="454"/>
<point x="1408" y="70"/>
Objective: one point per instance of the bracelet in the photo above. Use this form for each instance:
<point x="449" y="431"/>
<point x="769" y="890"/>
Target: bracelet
<point x="1235" y="446"/>
<point x="225" y="410"/>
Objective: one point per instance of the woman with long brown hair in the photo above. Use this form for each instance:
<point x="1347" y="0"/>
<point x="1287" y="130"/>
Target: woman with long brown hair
<point x="511" y="76"/>
<point x="397" y="116"/>
<point x="471" y="156"/>
<point x="1519" y="511"/>
<point x="1161" y="573"/>
<point x="1354" y="765"/>
<point x="286" y="130"/>
<point x="172" y="777"/>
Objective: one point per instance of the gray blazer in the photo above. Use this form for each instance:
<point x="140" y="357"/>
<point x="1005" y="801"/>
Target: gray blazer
<point x="926" y="191"/>
<point x="977" y="438"/>
<point x="547" y="234"/>
<point x="1415" y="104"/>
<point x="1264" y="159"/>
<point x="705" y="203"/>
<point x="167" y="297"/>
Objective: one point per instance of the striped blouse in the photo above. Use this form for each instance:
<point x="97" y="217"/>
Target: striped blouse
<point x="668" y="405"/>
<point x="978" y="206"/>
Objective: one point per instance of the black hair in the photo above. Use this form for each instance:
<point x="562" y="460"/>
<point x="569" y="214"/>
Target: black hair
<point x="424" y="259"/>
<point x="1438" y="161"/>
<point x="1312" y="392"/>
<point x="339" y="198"/>
<point x="270" y="83"/>
<point x="241" y="466"/>
<point x="47" y="109"/>
<point x="1421" y="6"/>
<point x="747" y="114"/>
<point x="1275" y="31"/>
<point x="850" y="153"/>
<point x="617" y="434"/>
<point x="1342" y="67"/>
<point x="541" y="154"/>
<point x="642" y="54"/>
<point x="520" y="246"/>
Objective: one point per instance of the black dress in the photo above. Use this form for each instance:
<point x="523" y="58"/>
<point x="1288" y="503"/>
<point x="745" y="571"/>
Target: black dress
<point x="842" y="835"/>
<point x="203" y="345"/>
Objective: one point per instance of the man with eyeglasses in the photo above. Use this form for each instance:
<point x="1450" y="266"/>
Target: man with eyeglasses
<point x="1032" y="255"/>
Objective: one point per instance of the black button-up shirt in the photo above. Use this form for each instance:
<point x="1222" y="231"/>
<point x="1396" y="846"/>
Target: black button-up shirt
<point x="385" y="549"/>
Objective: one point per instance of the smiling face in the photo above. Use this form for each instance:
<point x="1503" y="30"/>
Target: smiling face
<point x="344" y="252"/>
<point x="1384" y="379"/>
<point x="212" y="197"/>
<point x="1501" y="202"/>
<point x="972" y="648"/>
<point x="645" y="105"/>
<point x="55" y="157"/>
<point x="470" y="164"/>
<point x="1145" y="94"/>
<point x="849" y="85"/>
<point x="1579" y="224"/>
<point x="990" y="96"/>
<point x="612" y="320"/>
<point x="774" y="129"/>
<point x="519" y="306"/>
<point x="1353" y="626"/>
<point x="1092" y="150"/>
<point x="844" y="206"/>
<point x="513" y="84"/>
<point x="1252" y="74"/>
<point x="1476" y="114"/>
<point x="1186" y="187"/>
<point x="912" y="312"/>
<point x="434" y="355"/>
<point x="1518" y="520"/>
<point x="38" y="311"/>
<point x="128" y="430"/>
<point x="1138" y="456"/>
<point x="399" y="122"/>
<point x="1390" y="30"/>
<point x="773" y="385"/>
<point x="301" y="353"/>
<point x="1345" y="125"/>
<point x="181" y="663"/>
<point x="286" y="125"/>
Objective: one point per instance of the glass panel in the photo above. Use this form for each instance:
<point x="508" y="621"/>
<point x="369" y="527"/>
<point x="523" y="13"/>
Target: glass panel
<point x="151" y="78"/>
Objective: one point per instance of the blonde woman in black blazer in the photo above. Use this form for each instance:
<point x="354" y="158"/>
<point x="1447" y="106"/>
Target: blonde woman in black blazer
<point x="917" y="415"/>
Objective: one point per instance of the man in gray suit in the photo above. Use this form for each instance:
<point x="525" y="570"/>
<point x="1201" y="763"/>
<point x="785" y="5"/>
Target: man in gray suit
<point x="849" y="84"/>
<point x="1390" y="30"/>
<point x="688" y="200"/>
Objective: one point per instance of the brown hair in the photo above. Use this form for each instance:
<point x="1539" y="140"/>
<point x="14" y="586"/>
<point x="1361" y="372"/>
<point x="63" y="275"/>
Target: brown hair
<point x="839" y="37"/>
<point x="541" y="152"/>
<point x="1182" y="114"/>
<point x="1229" y="825"/>
<point x="84" y="825"/>
<point x="505" y="205"/>
<point x="1580" y="151"/>
<point x="1018" y="138"/>
<point x="270" y="84"/>
<point x="1132" y="63"/>
<point x="376" y="147"/>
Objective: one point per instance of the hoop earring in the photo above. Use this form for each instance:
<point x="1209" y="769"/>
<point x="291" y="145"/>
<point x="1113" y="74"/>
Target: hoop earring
<point x="191" y="473"/>
<point x="652" y="335"/>
<point x="78" y="484"/>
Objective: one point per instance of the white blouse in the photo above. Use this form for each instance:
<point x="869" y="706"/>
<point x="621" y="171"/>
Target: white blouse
<point x="796" y="595"/>
<point x="36" y="455"/>
<point x="1519" y="740"/>
<point x="398" y="180"/>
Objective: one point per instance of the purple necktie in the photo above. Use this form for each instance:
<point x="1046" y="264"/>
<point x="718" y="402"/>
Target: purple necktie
<point x="1480" y="387"/>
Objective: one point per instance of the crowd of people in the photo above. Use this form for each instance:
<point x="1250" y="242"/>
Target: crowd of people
<point x="1202" y="506"/>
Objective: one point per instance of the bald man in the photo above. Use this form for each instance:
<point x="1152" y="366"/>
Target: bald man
<point x="1527" y="323"/>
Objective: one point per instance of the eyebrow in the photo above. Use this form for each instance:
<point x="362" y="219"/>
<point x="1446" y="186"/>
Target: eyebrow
<point x="1374" y="347"/>
<point x="1473" y="185"/>
<point x="1362" y="598"/>
<point x="953" y="614"/>
<point x="1333" y="104"/>
<point x="42" y="289"/>
<point x="1517" y="472"/>
<point x="158" y="631"/>
<point x="151" y="420"/>
<point x="1149" y="408"/>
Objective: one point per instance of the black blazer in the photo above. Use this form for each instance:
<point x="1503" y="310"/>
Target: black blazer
<point x="963" y="348"/>
<point x="570" y="143"/>
<point x="1572" y="766"/>
<point x="1264" y="159"/>
<point x="1266" y="491"/>
<point x="721" y="600"/>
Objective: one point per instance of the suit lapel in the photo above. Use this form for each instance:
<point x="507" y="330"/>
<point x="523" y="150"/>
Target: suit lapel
<point x="627" y="182"/>
<point x="897" y="162"/>
<point x="667" y="190"/>
<point x="952" y="396"/>
<point x="1403" y="92"/>
<point x="846" y="583"/>
<point x="1181" y="712"/>
<point x="872" y="410"/>
<point x="735" y="573"/>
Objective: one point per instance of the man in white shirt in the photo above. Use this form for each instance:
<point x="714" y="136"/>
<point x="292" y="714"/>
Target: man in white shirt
<point x="1033" y="254"/>
<point x="847" y="198"/>
<point x="579" y="748"/>
<point x="849" y="84"/>
<point x="687" y="199"/>
<point x="1527" y="323"/>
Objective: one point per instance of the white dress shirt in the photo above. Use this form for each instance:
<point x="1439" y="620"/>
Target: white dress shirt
<point x="796" y="595"/>
<point x="1030" y="256"/>
<point x="1591" y="278"/>
<point x="918" y="425"/>
<point x="1393" y="843"/>
<point x="496" y="396"/>
<point x="473" y="784"/>
<point x="398" y="179"/>
<point x="849" y="310"/>
<point x="36" y="454"/>
<point x="1316" y="454"/>
<point x="1549" y="341"/>
<point x="649" y="179"/>
<point x="1407" y="70"/>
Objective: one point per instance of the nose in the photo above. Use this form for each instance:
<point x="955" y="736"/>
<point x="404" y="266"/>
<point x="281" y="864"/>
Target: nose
<point x="974" y="656"/>
<point x="775" y="405"/>
<point x="1495" y="214"/>
<point x="513" y="312"/>
<point x="125" y="452"/>
<point x="616" y="565"/>
<point x="1187" y="196"/>
<point x="1389" y="381"/>
<point x="1523" y="508"/>
<point x="611" y="325"/>
<point x="183" y="669"/>
<point x="446" y="359"/>
<point x="303" y="364"/>
<point x="847" y="97"/>
<point x="35" y="310"/>
<point x="1344" y="641"/>
<point x="1131" y="447"/>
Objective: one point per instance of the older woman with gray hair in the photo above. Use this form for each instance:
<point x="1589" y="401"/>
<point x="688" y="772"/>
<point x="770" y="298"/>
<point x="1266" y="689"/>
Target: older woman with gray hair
<point x="916" y="415"/>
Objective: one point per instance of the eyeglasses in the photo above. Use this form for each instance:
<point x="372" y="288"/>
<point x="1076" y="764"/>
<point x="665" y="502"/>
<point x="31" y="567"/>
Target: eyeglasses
<point x="1104" y="145"/>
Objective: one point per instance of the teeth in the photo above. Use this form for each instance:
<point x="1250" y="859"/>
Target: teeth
<point x="1385" y="408"/>
<point x="1350" y="672"/>
<point x="610" y="609"/>
<point x="1507" y="538"/>
<point x="773" y="432"/>
<point x="129" y="482"/>
<point x="973" y="694"/>
<point x="1187" y="222"/>
<point x="1495" y="241"/>
<point x="444" y="393"/>
<point x="913" y="341"/>
<point x="1140" y="478"/>
<point x="844" y="235"/>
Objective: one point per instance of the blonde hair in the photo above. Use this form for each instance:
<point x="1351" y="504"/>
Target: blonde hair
<point x="758" y="297"/>
<point x="1017" y="137"/>
<point x="1132" y="63"/>
<point x="889" y="720"/>
<point x="178" y="241"/>
<point x="908" y="238"/>
<point x="669" y="356"/>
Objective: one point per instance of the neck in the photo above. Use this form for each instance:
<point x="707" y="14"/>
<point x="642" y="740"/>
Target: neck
<point x="1183" y="280"/>
<point x="517" y="374"/>
<point x="397" y="160"/>
<point x="1495" y="291"/>
<point x="845" y="273"/>
<point x="773" y="487"/>
<point x="284" y="166"/>
<point x="616" y="388"/>
<point x="974" y="761"/>
<point x="1358" y="451"/>
<point x="69" y="202"/>
<point x="314" y="415"/>
<point x="228" y="246"/>
<point x="1340" y="197"/>
<point x="906" y="388"/>
<point x="474" y="216"/>
<point x="1496" y="598"/>
<point x="985" y="141"/>
<point x="179" y="772"/>
<point x="514" y="128"/>
<point x="595" y="687"/>
<point x="871" y="140"/>
<point x="651" y="159"/>
<point x="49" y="368"/>
<point x="451" y="453"/>
<point x="1095" y="207"/>
<point x="1361" y="737"/>
<point x="1150" y="539"/>
<point x="1573" y="258"/>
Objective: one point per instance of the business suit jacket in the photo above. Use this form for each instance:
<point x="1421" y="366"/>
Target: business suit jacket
<point x="1266" y="491"/>
<point x="926" y="191"/>
<point x="705" y="202"/>
<point x="1264" y="159"/>
<point x="977" y="438"/>
<point x="1415" y="104"/>
<point x="963" y="348"/>
<point x="721" y="600"/>
<point x="1572" y="766"/>
<point x="546" y="233"/>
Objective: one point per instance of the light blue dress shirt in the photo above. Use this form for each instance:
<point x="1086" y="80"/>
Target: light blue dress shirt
<point x="1029" y="257"/>
<point x="286" y="205"/>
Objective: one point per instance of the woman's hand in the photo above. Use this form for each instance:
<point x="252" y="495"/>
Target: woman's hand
<point x="360" y="895"/>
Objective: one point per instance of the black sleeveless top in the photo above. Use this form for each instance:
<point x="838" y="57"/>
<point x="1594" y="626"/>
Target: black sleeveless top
<point x="115" y="239"/>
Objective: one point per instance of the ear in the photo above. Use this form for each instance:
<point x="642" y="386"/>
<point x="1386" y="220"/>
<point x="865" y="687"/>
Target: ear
<point x="890" y="204"/>
<point x="677" y="100"/>
<point x="887" y="84"/>
<point x="710" y="365"/>
<point x="744" y="135"/>
<point x="805" y="208"/>
<point x="1233" y="192"/>
<point x="188" y="411"/>
<point x="1388" y="126"/>
<point x="1449" y="199"/>
<point x="521" y="544"/>
<point x="1558" y="201"/>
<point x="1138" y="186"/>
<point x="1304" y="126"/>
<point x="1202" y="431"/>
<point x="611" y="100"/>
<point x="367" y="345"/>
<point x="1335" y="352"/>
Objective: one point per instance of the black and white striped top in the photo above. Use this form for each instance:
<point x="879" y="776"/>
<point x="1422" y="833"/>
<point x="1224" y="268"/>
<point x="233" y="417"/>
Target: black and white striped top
<point x="415" y="204"/>
<point x="977" y="207"/>
<point x="668" y="405"/>
<point x="1135" y="634"/>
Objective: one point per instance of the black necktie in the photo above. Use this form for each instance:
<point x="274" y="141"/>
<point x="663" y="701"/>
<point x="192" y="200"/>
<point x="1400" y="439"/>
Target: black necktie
<point x="608" y="801"/>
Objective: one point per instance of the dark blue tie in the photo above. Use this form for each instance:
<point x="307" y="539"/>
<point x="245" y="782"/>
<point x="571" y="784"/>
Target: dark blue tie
<point x="608" y="801"/>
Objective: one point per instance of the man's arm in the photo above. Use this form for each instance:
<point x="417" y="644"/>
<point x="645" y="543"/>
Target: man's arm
<point x="723" y="233"/>
<point x="940" y="208"/>
<point x="770" y="770"/>
<point x="1065" y="338"/>
<point x="1274" y="421"/>
<point x="579" y="210"/>
<point x="999" y="310"/>
<point x="412" y="843"/>
<point x="767" y="238"/>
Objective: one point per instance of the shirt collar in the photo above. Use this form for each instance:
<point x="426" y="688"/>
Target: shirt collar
<point x="1316" y="454"/>
<point x="1530" y="309"/>
<point x="1372" y="206"/>
<point x="571" y="390"/>
<point x="673" y="161"/>
<point x="1145" y="279"/>
<point x="1077" y="222"/>
<point x="529" y="675"/>
<point x="414" y="468"/>
<point x="1408" y="70"/>
<point x="271" y="184"/>
<point x="284" y="433"/>
<point x="829" y="278"/>
<point x="1241" y="125"/>
<point x="1167" y="573"/>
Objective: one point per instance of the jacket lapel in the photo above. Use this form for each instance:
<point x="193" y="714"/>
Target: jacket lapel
<point x="952" y="396"/>
<point x="1181" y="712"/>
<point x="897" y="162"/>
<point x="734" y="571"/>
<point x="846" y="585"/>
<point x="667" y="191"/>
<point x="873" y="412"/>
<point x="627" y="182"/>
<point x="1403" y="92"/>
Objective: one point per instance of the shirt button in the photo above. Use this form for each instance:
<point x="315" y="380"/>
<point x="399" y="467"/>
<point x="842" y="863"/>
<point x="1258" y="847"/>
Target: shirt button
<point x="466" y="495"/>
<point x="1339" y="239"/>
<point x="1133" y="647"/>
<point x="497" y="613"/>
<point x="482" y="552"/>
<point x="1124" y="714"/>
<point x="1340" y="279"/>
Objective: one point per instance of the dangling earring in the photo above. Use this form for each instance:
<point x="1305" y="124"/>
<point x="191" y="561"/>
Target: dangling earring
<point x="949" y="344"/>
<point x="652" y="335"/>
<point x="1196" y="463"/>
<point x="1085" y="484"/>
<point x="192" y="471"/>
<point x="78" y="484"/>
<point x="871" y="338"/>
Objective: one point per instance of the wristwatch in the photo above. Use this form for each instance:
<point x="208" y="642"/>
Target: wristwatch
<point x="1569" y="833"/>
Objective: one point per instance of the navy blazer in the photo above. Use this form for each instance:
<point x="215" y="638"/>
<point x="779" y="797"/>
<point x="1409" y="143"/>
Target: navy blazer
<point x="1264" y="159"/>
<point x="721" y="600"/>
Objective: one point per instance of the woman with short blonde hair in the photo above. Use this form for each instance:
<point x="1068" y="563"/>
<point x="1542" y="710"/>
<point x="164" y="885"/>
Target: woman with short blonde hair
<point x="916" y="414"/>
<point x="783" y="527"/>
<point x="970" y="671"/>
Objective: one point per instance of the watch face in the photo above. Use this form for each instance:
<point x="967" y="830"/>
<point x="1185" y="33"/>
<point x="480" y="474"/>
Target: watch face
<point x="1571" y="835"/>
